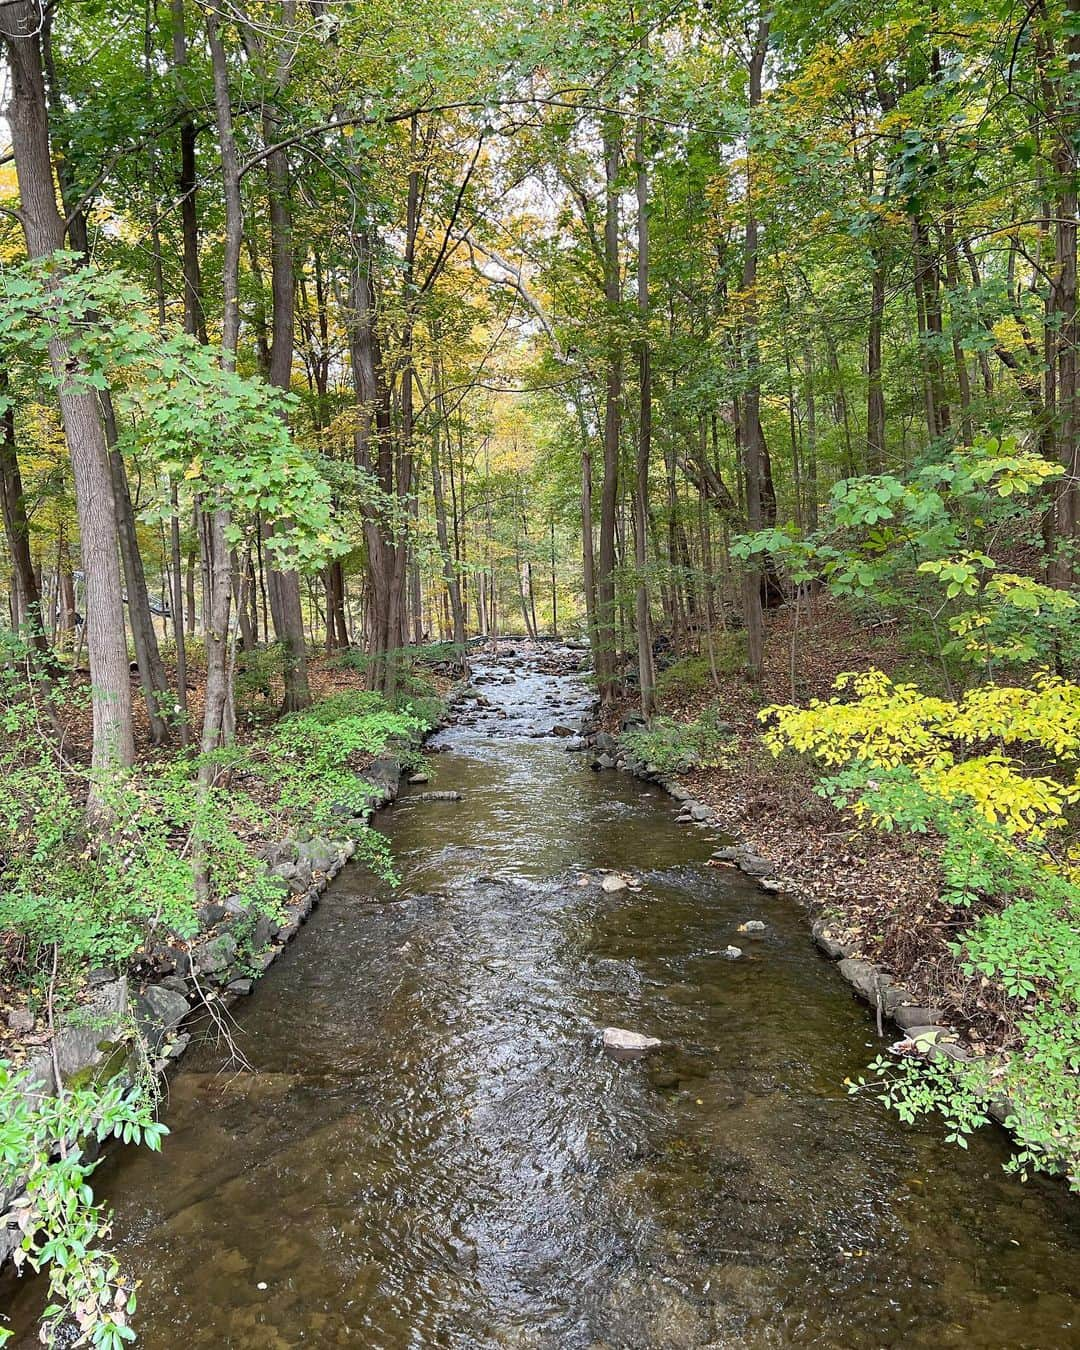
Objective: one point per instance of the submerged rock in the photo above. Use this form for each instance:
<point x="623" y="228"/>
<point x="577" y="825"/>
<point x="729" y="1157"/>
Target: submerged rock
<point x="732" y="953"/>
<point x="613" y="882"/>
<point x="622" y="1044"/>
<point x="751" y="926"/>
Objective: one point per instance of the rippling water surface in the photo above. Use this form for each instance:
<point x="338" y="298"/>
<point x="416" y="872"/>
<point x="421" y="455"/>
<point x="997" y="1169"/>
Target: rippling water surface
<point x="431" y="1151"/>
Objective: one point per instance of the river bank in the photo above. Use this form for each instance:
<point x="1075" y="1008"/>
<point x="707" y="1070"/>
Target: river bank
<point x="875" y="899"/>
<point x="131" y="1014"/>
<point x="428" y="1145"/>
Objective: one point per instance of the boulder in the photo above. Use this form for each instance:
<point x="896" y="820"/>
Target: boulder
<point x="613" y="882"/>
<point x="753" y="864"/>
<point x="622" y="1044"/>
<point x="826" y="942"/>
<point x="211" y="914"/>
<point x="606" y="743"/>
<point x="752" y="926"/>
<point x="93" y="1029"/>
<point x="215" y="955"/>
<point x="731" y="953"/>
<point x="700" y="812"/>
<point x="261" y="932"/>
<point x="284" y="851"/>
<point x="383" y="774"/>
<point x="158" y="1009"/>
<point x="908" y="1015"/>
<point x="317" y="855"/>
<point x="862" y="976"/>
<point x="175" y="983"/>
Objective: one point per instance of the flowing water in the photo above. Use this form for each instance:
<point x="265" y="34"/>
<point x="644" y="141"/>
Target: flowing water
<point x="431" y="1150"/>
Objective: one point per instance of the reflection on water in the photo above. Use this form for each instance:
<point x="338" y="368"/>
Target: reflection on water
<point x="431" y="1151"/>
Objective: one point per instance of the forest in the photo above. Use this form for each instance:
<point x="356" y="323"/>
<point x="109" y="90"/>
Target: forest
<point x="341" y="341"/>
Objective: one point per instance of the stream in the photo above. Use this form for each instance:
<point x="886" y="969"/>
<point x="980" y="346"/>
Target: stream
<point x="430" y="1149"/>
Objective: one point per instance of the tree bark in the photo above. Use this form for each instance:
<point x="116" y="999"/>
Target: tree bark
<point x="283" y="585"/>
<point x="752" y="439"/>
<point x="642" y="613"/>
<point x="215" y="521"/>
<point x="27" y="116"/>
<point x="604" y="660"/>
<point x="17" y="536"/>
<point x="194" y="315"/>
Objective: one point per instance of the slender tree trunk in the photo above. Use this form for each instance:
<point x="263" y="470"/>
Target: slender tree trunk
<point x="215" y="521"/>
<point x="155" y="687"/>
<point x="179" y="625"/>
<point x="28" y="610"/>
<point x="27" y="118"/>
<point x="194" y="317"/>
<point x="605" y="650"/>
<point x="752" y="438"/>
<point x="642" y="614"/>
<point x="875" y="396"/>
<point x="450" y="574"/>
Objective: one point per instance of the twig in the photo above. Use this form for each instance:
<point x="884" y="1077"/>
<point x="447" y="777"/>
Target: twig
<point x="61" y="1095"/>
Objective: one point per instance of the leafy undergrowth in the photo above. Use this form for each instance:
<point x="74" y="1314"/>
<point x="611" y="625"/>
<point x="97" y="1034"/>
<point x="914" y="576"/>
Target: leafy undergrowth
<point x="670" y="746"/>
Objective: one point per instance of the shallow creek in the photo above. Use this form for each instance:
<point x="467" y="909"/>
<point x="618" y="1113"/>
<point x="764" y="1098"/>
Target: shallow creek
<point x="430" y="1149"/>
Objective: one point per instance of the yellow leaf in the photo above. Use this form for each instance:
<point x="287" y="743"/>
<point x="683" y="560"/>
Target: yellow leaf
<point x="194" y="469"/>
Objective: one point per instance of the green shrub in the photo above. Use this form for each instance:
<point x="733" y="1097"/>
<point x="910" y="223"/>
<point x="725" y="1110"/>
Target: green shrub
<point x="64" y="1229"/>
<point x="1026" y="939"/>
<point x="674" y="746"/>
<point x="312" y="758"/>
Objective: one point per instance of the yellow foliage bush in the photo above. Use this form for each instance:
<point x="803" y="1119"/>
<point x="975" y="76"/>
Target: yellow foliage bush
<point x="953" y="747"/>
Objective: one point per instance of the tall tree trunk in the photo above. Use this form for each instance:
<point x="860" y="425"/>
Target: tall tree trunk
<point x="215" y="516"/>
<point x="1062" y="98"/>
<point x="283" y="586"/>
<point x="752" y="439"/>
<point x="152" y="679"/>
<point x="642" y="614"/>
<point x="194" y="316"/>
<point x="604" y="659"/>
<point x="28" y="125"/>
<point x="17" y="536"/>
<point x="450" y="574"/>
<point x="875" y="395"/>
<point x="178" y="616"/>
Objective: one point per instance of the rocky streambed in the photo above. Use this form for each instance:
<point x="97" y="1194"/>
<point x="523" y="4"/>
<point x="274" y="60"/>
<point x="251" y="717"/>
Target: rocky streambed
<point x="430" y="1145"/>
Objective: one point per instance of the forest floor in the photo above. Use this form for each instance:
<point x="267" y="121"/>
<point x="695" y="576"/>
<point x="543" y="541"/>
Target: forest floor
<point x="879" y="892"/>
